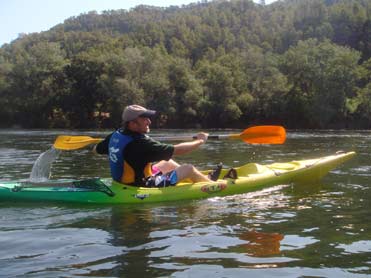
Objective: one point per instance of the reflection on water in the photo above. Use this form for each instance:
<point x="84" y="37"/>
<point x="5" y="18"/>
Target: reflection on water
<point x="57" y="249"/>
<point x="262" y="244"/>
<point x="315" y="230"/>
<point x="362" y="246"/>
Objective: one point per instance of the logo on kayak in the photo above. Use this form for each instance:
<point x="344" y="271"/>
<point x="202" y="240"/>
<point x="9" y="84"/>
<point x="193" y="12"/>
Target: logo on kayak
<point x="211" y="188"/>
<point x="141" y="196"/>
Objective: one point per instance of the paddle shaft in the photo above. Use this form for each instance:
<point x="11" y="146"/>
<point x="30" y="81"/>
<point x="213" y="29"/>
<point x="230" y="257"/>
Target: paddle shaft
<point x="252" y="135"/>
<point x="189" y="137"/>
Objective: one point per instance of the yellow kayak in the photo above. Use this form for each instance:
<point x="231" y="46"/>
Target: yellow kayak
<point x="251" y="177"/>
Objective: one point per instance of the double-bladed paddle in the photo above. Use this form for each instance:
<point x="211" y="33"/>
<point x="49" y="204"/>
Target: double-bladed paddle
<point x="266" y="134"/>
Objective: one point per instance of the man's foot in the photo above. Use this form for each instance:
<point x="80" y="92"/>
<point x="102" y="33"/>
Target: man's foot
<point x="231" y="174"/>
<point x="214" y="175"/>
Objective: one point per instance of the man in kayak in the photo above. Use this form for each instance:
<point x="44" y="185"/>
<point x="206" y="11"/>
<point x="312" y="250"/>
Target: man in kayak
<point x="132" y="153"/>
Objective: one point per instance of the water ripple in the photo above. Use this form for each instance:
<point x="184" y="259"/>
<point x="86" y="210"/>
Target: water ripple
<point x="45" y="251"/>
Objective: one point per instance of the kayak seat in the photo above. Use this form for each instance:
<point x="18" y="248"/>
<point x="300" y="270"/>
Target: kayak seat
<point x="251" y="168"/>
<point x="285" y="166"/>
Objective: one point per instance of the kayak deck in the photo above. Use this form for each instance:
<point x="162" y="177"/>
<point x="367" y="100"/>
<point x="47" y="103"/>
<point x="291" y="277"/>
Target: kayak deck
<point x="251" y="177"/>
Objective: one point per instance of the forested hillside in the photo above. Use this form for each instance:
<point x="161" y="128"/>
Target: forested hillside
<point x="299" y="63"/>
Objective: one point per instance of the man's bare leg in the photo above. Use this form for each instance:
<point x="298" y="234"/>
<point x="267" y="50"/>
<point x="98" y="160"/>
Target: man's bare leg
<point x="166" y="166"/>
<point x="188" y="171"/>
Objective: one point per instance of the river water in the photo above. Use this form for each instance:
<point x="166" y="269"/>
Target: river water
<point x="316" y="230"/>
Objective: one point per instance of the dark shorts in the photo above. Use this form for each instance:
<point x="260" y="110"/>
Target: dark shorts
<point x="162" y="180"/>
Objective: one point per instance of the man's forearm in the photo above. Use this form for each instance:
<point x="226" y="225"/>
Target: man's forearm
<point x="187" y="147"/>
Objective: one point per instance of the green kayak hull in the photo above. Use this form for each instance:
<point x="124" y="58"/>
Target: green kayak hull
<point x="251" y="177"/>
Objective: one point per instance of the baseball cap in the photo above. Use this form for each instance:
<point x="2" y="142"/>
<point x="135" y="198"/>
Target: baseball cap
<point x="132" y="112"/>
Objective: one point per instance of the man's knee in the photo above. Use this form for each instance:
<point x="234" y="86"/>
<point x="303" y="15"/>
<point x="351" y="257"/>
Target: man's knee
<point x="185" y="171"/>
<point x="188" y="168"/>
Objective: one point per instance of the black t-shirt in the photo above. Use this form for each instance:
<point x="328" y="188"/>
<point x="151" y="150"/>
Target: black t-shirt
<point x="141" y="151"/>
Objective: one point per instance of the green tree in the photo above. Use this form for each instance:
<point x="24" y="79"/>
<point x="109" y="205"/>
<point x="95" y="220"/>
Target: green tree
<point x="218" y="105"/>
<point x="347" y="19"/>
<point x="360" y="104"/>
<point x="267" y="85"/>
<point x="187" y="92"/>
<point x="35" y="80"/>
<point x="322" y="76"/>
<point x="226" y="62"/>
<point x="6" y="113"/>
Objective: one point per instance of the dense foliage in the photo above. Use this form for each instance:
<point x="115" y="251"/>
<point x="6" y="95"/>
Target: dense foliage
<point x="299" y="63"/>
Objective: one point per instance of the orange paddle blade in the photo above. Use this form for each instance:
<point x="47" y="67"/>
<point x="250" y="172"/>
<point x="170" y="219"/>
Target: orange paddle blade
<point x="265" y="134"/>
<point x="65" y="142"/>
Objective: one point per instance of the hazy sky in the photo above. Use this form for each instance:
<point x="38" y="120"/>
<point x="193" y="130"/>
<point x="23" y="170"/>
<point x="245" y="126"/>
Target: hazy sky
<point x="28" y="16"/>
